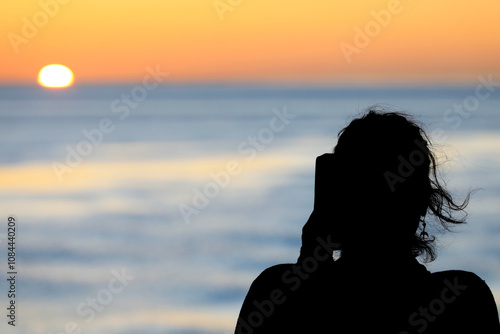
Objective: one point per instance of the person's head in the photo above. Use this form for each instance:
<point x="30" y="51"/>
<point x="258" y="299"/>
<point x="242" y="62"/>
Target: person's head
<point x="388" y="183"/>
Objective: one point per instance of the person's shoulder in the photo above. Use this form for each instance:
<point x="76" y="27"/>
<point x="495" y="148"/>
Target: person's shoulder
<point x="273" y="273"/>
<point x="463" y="283"/>
<point x="469" y="298"/>
<point x="268" y="280"/>
<point x="273" y="277"/>
<point x="467" y="278"/>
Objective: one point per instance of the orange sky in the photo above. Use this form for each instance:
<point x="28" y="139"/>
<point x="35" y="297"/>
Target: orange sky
<point x="257" y="40"/>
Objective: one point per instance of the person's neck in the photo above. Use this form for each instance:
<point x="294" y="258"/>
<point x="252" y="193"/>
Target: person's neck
<point x="376" y="257"/>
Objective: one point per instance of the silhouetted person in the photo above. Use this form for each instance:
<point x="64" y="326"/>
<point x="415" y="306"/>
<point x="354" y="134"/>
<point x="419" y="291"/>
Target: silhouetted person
<point x="372" y="196"/>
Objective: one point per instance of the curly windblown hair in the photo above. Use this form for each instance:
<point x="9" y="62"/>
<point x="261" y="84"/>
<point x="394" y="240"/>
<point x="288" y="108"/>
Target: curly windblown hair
<point x="393" y="149"/>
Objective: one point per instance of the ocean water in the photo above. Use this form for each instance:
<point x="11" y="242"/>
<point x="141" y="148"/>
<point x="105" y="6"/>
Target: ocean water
<point x="153" y="213"/>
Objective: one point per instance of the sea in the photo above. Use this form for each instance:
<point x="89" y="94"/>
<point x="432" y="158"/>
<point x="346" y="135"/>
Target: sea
<point x="132" y="210"/>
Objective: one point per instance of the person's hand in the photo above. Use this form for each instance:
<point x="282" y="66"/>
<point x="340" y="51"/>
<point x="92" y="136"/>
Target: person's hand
<point x="317" y="237"/>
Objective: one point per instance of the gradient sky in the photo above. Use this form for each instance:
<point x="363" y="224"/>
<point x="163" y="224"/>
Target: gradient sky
<point x="445" y="41"/>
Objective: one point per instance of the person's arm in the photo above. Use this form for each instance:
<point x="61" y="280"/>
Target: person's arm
<point x="321" y="227"/>
<point x="317" y="237"/>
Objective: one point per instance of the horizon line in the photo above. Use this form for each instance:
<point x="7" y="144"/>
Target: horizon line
<point x="258" y="84"/>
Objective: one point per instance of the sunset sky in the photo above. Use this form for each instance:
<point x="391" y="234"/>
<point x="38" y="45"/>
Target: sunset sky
<point x="281" y="41"/>
<point x="100" y="177"/>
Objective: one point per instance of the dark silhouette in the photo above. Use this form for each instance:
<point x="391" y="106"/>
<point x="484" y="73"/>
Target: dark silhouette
<point x="373" y="197"/>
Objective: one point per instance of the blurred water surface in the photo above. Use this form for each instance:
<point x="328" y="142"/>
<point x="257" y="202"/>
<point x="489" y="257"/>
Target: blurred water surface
<point x="155" y="216"/>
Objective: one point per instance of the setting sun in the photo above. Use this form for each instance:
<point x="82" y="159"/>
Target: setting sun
<point x="55" y="76"/>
